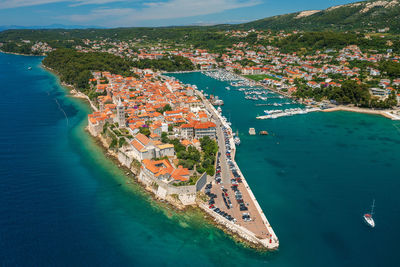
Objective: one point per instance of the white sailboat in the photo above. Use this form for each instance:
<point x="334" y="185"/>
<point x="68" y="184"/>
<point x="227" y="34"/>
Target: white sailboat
<point x="368" y="216"/>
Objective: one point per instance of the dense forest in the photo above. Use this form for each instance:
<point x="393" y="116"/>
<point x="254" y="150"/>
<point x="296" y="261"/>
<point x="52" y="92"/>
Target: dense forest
<point x="25" y="49"/>
<point x="172" y="63"/>
<point x="391" y="68"/>
<point x="349" y="93"/>
<point x="211" y="38"/>
<point x="75" y="68"/>
<point x="311" y="41"/>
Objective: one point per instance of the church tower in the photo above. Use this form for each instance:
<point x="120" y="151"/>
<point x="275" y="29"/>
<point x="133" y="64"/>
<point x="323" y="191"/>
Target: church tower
<point x="120" y="114"/>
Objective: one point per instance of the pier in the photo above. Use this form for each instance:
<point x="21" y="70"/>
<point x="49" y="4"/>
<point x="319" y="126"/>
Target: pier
<point x="274" y="114"/>
<point x="256" y="228"/>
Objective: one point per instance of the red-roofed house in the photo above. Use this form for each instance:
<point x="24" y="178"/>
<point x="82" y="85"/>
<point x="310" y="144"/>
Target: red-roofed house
<point x="198" y="130"/>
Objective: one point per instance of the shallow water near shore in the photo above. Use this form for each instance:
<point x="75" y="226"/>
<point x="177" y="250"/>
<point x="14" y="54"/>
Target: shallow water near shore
<point x="62" y="202"/>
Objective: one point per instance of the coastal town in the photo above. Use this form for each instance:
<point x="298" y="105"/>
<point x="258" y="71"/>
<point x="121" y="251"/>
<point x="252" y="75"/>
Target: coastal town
<point x="199" y="133"/>
<point x="310" y="76"/>
<point x="179" y="147"/>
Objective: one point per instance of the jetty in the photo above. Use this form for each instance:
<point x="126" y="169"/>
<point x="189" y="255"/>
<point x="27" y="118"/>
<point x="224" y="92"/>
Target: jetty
<point x="277" y="113"/>
<point x="235" y="205"/>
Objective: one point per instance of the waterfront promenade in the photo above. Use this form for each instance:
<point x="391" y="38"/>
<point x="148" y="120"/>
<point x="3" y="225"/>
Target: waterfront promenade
<point x="258" y="227"/>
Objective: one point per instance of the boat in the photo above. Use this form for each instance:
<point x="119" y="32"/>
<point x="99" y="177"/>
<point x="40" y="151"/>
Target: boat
<point x="219" y="110"/>
<point x="252" y="131"/>
<point x="237" y="139"/>
<point x="218" y="102"/>
<point x="29" y="68"/>
<point x="368" y="216"/>
<point x="263" y="133"/>
<point x="228" y="88"/>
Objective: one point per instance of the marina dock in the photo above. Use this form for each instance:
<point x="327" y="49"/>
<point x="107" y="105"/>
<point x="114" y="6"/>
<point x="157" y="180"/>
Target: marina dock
<point x="277" y="113"/>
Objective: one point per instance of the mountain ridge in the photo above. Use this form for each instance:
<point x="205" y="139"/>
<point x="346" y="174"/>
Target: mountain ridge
<point x="364" y="15"/>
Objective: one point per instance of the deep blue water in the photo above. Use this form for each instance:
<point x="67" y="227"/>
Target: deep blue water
<point x="63" y="203"/>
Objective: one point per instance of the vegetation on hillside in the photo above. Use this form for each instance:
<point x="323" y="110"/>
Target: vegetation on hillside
<point x="12" y="47"/>
<point x="311" y="41"/>
<point x="391" y="68"/>
<point x="349" y="93"/>
<point x="75" y="68"/>
<point x="172" y="63"/>
<point x="342" y="18"/>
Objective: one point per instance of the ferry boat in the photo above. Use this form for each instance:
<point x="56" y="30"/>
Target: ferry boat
<point x="368" y="216"/>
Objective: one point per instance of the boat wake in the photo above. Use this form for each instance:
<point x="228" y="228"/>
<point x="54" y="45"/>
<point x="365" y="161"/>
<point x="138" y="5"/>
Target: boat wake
<point x="62" y="110"/>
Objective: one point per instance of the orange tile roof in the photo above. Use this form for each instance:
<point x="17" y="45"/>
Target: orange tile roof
<point x="142" y="139"/>
<point x="137" y="145"/>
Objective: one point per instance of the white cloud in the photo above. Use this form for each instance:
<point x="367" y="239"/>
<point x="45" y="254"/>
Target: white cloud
<point x="95" y="2"/>
<point x="171" y="9"/>
<point x="4" y="4"/>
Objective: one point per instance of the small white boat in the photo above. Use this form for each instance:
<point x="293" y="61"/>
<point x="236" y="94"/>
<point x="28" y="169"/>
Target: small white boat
<point x="368" y="216"/>
<point x="29" y="68"/>
<point x="237" y="140"/>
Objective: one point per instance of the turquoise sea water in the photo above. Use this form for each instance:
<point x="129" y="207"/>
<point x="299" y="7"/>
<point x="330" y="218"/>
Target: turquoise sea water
<point x="63" y="203"/>
<point x="315" y="175"/>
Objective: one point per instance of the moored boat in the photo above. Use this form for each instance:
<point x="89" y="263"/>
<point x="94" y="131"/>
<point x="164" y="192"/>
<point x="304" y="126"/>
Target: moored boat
<point x="252" y="131"/>
<point x="236" y="140"/>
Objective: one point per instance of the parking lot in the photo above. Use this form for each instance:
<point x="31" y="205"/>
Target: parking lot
<point x="227" y="194"/>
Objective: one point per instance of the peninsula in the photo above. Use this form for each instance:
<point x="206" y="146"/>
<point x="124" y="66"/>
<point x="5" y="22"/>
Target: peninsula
<point x="179" y="147"/>
<point x="171" y="136"/>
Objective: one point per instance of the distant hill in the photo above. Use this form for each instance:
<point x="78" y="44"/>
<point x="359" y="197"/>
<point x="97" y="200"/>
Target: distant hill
<point x="52" y="26"/>
<point x="365" y="15"/>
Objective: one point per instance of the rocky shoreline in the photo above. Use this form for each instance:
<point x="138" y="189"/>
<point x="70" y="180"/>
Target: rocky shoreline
<point x="19" y="54"/>
<point x="169" y="201"/>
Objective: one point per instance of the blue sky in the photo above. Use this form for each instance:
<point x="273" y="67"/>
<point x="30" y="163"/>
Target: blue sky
<point x="125" y="13"/>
